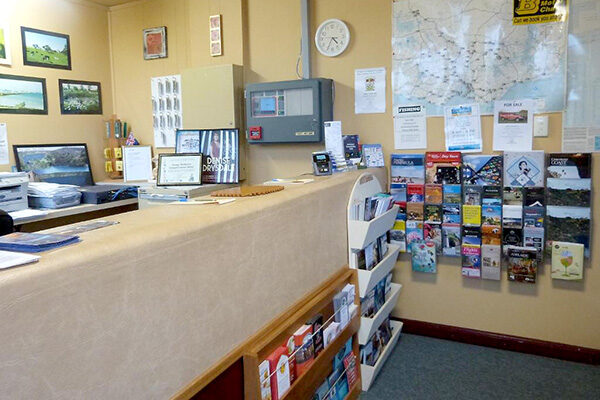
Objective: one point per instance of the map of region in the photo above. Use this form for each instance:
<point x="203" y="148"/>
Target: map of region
<point x="450" y="52"/>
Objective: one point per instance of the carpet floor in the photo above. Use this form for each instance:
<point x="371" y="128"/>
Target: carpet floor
<point x="427" y="368"/>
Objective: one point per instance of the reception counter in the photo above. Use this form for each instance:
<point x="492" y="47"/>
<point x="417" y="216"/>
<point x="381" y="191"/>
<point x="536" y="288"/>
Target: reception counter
<point x="140" y="309"/>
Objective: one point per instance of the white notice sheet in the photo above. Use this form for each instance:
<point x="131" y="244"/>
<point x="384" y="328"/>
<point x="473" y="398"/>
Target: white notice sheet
<point x="369" y="90"/>
<point x="410" y="127"/>
<point x="513" y="125"/>
<point x="3" y="144"/>
<point x="333" y="138"/>
<point x="463" y="128"/>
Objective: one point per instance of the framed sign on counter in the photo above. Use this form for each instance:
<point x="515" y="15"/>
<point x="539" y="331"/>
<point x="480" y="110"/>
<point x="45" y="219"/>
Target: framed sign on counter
<point x="179" y="169"/>
<point x="137" y="163"/>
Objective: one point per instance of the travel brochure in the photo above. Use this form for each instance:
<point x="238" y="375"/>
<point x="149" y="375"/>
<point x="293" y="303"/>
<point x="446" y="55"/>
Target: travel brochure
<point x="479" y="206"/>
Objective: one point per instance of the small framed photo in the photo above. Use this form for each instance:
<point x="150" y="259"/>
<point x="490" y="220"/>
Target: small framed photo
<point x="155" y="43"/>
<point x="5" y="44"/>
<point x="45" y="49"/>
<point x="215" y="49"/>
<point x="179" y="169"/>
<point x="23" y="95"/>
<point x="137" y="163"/>
<point x="80" y="97"/>
<point x="215" y="21"/>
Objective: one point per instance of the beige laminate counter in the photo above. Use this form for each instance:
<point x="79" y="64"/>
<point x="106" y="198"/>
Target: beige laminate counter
<point x="139" y="309"/>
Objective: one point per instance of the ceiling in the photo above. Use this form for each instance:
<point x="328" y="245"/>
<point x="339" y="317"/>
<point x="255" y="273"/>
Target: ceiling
<point x="110" y="3"/>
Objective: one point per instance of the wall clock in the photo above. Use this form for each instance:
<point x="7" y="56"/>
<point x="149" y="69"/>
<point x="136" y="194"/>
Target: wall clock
<point x="332" y="37"/>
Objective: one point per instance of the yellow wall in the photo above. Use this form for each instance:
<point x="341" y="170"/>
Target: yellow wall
<point x="87" y="26"/>
<point x="264" y="36"/>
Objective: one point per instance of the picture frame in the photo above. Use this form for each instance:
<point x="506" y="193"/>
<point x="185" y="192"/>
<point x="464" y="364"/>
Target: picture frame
<point x="23" y="95"/>
<point x="45" y="49"/>
<point x="184" y="169"/>
<point x="5" y="49"/>
<point x="80" y="97"/>
<point x="215" y="35"/>
<point x="187" y="141"/>
<point x="137" y="163"/>
<point x="155" y="43"/>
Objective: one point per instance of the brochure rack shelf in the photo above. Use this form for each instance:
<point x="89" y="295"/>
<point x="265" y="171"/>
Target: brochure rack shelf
<point x="368" y="326"/>
<point x="368" y="373"/>
<point x="360" y="235"/>
<point x="281" y="328"/>
<point x="368" y="279"/>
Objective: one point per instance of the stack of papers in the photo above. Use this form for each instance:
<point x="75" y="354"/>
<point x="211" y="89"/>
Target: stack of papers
<point x="34" y="242"/>
<point x="9" y="259"/>
<point x="47" y="189"/>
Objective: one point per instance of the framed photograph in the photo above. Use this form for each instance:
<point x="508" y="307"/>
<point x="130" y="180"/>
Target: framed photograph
<point x="179" y="169"/>
<point x="45" y="49"/>
<point x="137" y="163"/>
<point x="155" y="43"/>
<point x="80" y="97"/>
<point x="5" y="44"/>
<point x="23" y="95"/>
<point x="187" y="141"/>
<point x="214" y="26"/>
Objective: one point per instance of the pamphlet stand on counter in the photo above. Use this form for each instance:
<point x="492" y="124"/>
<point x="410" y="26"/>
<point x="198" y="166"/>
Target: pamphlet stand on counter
<point x="275" y="334"/>
<point x="360" y="235"/>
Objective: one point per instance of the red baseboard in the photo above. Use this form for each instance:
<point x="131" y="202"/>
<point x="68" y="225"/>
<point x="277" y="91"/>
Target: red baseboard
<point x="500" y="341"/>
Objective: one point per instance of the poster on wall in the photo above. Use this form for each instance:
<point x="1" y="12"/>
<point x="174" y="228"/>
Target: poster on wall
<point x="369" y="90"/>
<point x="527" y="12"/>
<point x="463" y="128"/>
<point x="410" y="127"/>
<point x="167" y="113"/>
<point x="513" y="125"/>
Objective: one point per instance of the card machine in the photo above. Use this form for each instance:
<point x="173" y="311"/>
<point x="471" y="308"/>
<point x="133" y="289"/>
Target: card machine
<point x="321" y="163"/>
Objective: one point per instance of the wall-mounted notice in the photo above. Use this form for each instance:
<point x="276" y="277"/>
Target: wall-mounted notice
<point x="369" y="90"/>
<point x="3" y="144"/>
<point x="463" y="128"/>
<point x="583" y="139"/>
<point x="513" y="125"/>
<point x="166" y="109"/>
<point x="410" y="127"/>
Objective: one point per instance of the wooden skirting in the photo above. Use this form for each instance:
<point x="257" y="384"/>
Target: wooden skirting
<point x="501" y="341"/>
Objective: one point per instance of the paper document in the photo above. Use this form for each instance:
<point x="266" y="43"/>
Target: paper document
<point x="3" y="144"/>
<point x="369" y="90"/>
<point x="583" y="139"/>
<point x="410" y="127"/>
<point x="11" y="259"/>
<point x="284" y="181"/>
<point x="333" y="138"/>
<point x="204" y="201"/>
<point x="513" y="125"/>
<point x="463" y="128"/>
<point x="137" y="163"/>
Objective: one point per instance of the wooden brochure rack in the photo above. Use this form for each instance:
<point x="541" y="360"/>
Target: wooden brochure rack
<point x="278" y="331"/>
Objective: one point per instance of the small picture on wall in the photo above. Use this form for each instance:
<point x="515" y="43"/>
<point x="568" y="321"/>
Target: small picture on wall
<point x="155" y="43"/>
<point x="80" y="97"/>
<point x="4" y="45"/>
<point x="45" y="49"/>
<point x="22" y="95"/>
<point x="216" y="45"/>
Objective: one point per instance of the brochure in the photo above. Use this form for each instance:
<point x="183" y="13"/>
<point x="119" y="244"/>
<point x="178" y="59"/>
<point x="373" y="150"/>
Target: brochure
<point x="567" y="261"/>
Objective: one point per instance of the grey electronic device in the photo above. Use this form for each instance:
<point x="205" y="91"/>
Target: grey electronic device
<point x="321" y="163"/>
<point x="288" y="111"/>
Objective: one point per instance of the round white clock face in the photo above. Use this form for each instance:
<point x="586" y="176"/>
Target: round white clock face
<point x="332" y="37"/>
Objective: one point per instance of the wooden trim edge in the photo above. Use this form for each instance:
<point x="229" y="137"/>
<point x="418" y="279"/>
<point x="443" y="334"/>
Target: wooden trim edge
<point x="544" y="348"/>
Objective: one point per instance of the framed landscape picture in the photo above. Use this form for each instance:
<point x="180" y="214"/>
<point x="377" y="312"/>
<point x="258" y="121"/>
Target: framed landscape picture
<point x="4" y="45"/>
<point x="22" y="95"/>
<point x="80" y="97"/>
<point x="155" y="43"/>
<point x="45" y="49"/>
